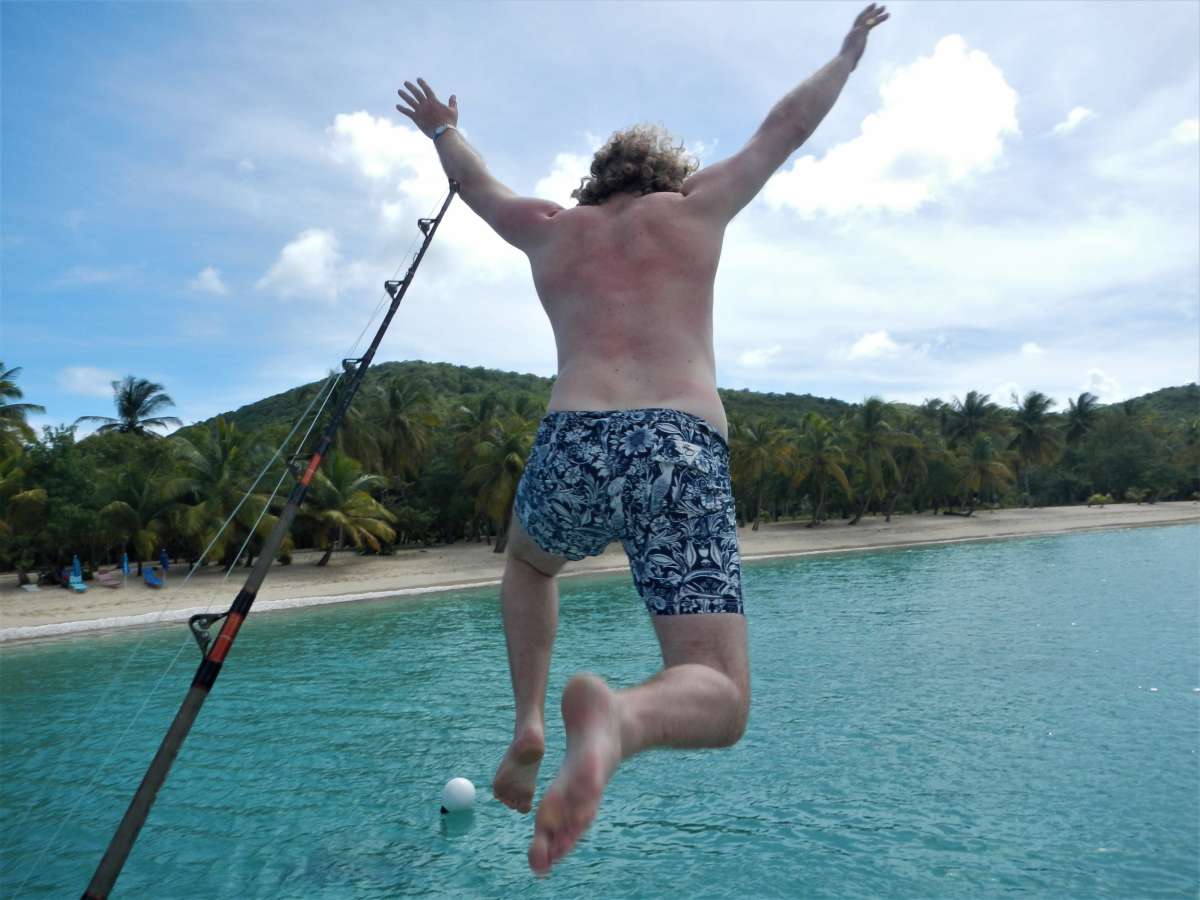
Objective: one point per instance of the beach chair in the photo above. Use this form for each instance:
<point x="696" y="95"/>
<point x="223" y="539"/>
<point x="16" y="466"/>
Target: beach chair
<point x="108" y="579"/>
<point x="75" y="583"/>
<point x="151" y="579"/>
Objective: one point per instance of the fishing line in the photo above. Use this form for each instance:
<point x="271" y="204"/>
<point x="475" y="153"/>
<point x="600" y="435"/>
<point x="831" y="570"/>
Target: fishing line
<point x="213" y="652"/>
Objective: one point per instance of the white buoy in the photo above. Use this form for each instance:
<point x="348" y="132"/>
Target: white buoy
<point x="457" y="795"/>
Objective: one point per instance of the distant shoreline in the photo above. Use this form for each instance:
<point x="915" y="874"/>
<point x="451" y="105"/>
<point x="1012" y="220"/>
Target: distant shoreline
<point x="53" y="613"/>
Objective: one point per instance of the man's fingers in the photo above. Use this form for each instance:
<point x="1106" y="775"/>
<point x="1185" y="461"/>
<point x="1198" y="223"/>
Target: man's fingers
<point x="407" y="99"/>
<point x="427" y="89"/>
<point x="415" y="91"/>
<point x="405" y="111"/>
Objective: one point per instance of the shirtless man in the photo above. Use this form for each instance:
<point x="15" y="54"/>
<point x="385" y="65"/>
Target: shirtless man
<point x="635" y="443"/>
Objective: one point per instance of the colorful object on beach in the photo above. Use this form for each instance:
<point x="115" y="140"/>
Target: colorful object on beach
<point x="214" y="650"/>
<point x="164" y="560"/>
<point x="152" y="580"/>
<point x="125" y="564"/>
<point x="75" y="582"/>
<point x="458" y="795"/>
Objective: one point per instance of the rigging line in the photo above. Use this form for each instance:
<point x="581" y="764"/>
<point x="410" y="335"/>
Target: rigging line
<point x="299" y="444"/>
<point x="335" y="377"/>
<point x="97" y="771"/>
<point x="214" y="652"/>
<point x="133" y="654"/>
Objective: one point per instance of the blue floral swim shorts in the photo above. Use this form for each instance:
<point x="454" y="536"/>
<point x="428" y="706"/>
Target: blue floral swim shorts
<point x="655" y="479"/>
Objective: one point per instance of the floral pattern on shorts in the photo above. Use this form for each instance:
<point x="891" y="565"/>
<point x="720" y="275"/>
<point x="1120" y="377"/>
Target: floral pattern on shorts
<point x="655" y="479"/>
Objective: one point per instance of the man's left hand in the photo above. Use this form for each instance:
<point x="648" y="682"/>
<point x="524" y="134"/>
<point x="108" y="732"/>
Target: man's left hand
<point x="425" y="109"/>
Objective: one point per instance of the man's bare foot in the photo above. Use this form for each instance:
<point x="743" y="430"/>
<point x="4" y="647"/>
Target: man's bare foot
<point x="593" y="754"/>
<point x="516" y="777"/>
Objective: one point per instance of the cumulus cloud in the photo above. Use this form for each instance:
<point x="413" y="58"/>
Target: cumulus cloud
<point x="758" y="359"/>
<point x="1074" y="119"/>
<point x="87" y="381"/>
<point x="1104" y="386"/>
<point x="1031" y="349"/>
<point x="307" y="267"/>
<point x="565" y="175"/>
<point x="876" y="344"/>
<point x="209" y="282"/>
<point x="378" y="148"/>
<point x="941" y="122"/>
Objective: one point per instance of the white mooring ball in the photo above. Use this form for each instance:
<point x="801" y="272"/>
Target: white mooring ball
<point x="457" y="795"/>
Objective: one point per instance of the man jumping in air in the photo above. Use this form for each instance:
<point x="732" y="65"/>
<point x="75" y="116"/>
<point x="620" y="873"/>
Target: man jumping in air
<point x="635" y="443"/>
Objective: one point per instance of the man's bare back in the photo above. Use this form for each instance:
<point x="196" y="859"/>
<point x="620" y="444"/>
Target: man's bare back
<point x="628" y="288"/>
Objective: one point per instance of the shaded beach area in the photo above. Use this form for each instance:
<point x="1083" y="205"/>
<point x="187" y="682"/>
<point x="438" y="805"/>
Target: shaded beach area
<point x="53" y="612"/>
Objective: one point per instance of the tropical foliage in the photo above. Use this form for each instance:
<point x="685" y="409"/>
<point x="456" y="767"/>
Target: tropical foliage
<point x="433" y="454"/>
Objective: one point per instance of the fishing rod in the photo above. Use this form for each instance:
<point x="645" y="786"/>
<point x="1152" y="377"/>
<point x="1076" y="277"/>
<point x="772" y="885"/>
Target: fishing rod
<point x="214" y="652"/>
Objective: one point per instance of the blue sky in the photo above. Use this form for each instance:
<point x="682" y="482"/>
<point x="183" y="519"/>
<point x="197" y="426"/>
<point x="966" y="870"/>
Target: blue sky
<point x="1006" y="196"/>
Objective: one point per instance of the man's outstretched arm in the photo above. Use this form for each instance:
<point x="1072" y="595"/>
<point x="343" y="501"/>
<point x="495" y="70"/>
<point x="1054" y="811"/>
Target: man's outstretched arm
<point x="723" y="188"/>
<point x="522" y="221"/>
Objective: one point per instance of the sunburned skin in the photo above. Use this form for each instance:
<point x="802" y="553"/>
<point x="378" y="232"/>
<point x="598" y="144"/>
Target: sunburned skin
<point x="628" y="288"/>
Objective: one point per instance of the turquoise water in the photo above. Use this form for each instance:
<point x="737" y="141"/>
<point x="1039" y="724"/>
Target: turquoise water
<point x="975" y="720"/>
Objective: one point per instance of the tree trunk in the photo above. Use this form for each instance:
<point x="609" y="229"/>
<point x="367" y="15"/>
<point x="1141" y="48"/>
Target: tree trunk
<point x="324" y="559"/>
<point x="862" y="509"/>
<point x="502" y="536"/>
<point x="891" y="505"/>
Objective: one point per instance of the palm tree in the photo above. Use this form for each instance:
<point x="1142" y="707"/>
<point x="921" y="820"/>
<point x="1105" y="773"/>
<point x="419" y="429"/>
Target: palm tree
<point x="912" y="454"/>
<point x="339" y="505"/>
<point x="1081" y="416"/>
<point x="215" y="465"/>
<point x="818" y="459"/>
<point x="984" y="471"/>
<point x="1037" y="440"/>
<point x="873" y="442"/>
<point x="13" y="427"/>
<point x="970" y="417"/>
<point x="139" y="509"/>
<point x="760" y="449"/>
<point x="497" y="464"/>
<point x="22" y="510"/>
<point x="407" y="425"/>
<point x="137" y="400"/>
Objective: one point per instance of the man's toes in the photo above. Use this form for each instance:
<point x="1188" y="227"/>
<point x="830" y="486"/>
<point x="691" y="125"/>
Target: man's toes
<point x="539" y="854"/>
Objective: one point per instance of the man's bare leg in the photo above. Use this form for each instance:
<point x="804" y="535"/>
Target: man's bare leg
<point x="529" y="607"/>
<point x="701" y="699"/>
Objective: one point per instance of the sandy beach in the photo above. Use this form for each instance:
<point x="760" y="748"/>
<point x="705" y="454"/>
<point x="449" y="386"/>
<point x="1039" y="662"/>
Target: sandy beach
<point x="54" y="611"/>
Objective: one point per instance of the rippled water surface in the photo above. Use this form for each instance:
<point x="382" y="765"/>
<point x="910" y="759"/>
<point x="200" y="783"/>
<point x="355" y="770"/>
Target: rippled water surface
<point x="977" y="720"/>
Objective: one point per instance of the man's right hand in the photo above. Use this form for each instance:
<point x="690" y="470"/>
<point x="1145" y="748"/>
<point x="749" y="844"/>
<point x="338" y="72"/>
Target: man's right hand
<point x="425" y="109"/>
<point x="856" y="41"/>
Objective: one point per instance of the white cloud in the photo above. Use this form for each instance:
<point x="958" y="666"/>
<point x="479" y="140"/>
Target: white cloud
<point x="209" y="282"/>
<point x="1074" y="119"/>
<point x="565" y="175"/>
<point x="306" y="267"/>
<point x="873" y="344"/>
<point x="378" y="148"/>
<point x="1187" y="131"/>
<point x="1032" y="349"/>
<point x="941" y="123"/>
<point x="87" y="381"/>
<point x="1107" y="388"/>
<point x="245" y="165"/>
<point x="758" y="359"/>
<point x="85" y="276"/>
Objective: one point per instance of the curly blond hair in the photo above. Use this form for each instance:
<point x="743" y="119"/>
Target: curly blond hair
<point x="639" y="160"/>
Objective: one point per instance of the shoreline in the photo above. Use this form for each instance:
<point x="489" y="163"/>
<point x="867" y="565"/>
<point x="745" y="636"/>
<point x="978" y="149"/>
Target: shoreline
<point x="53" y="613"/>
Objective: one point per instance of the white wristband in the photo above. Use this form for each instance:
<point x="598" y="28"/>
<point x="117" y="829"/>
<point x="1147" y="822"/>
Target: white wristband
<point x="437" y="132"/>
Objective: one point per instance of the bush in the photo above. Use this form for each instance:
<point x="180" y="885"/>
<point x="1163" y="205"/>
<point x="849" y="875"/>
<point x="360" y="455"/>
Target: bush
<point x="1099" y="499"/>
